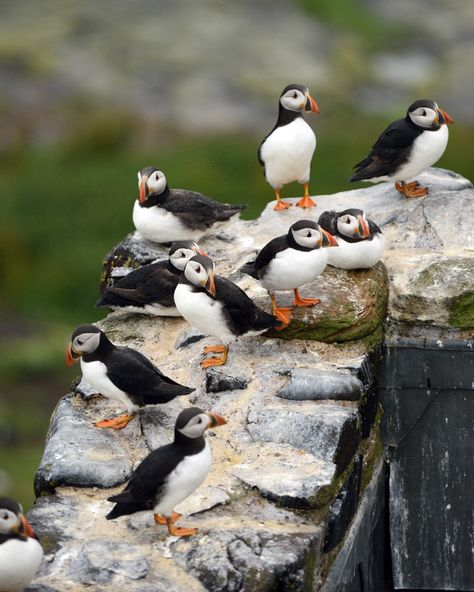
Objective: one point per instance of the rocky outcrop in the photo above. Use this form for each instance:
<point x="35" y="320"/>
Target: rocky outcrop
<point x="302" y="434"/>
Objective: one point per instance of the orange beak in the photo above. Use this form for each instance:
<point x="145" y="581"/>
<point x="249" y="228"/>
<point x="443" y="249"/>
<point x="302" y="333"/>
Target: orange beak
<point x="364" y="229"/>
<point x="328" y="239"/>
<point x="71" y="356"/>
<point x="143" y="189"/>
<point x="212" y="286"/>
<point x="446" y="116"/>
<point x="311" y="106"/>
<point x="26" y="529"/>
<point x="201" y="252"/>
<point x="216" y="420"/>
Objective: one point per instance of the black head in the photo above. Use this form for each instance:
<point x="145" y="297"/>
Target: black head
<point x="151" y="181"/>
<point x="85" y="339"/>
<point x="426" y="114"/>
<point x="181" y="252"/>
<point x="307" y="235"/>
<point x="199" y="271"/>
<point x="193" y="422"/>
<point x="296" y="97"/>
<point x="13" y="523"/>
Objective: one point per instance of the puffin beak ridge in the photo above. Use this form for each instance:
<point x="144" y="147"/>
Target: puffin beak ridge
<point x="216" y="420"/>
<point x="328" y="239"/>
<point x="25" y="528"/>
<point x="211" y="283"/>
<point x="446" y="116"/>
<point x="201" y="252"/>
<point x="311" y="106"/>
<point x="143" y="189"/>
<point x="363" y="227"/>
<point x="71" y="356"/>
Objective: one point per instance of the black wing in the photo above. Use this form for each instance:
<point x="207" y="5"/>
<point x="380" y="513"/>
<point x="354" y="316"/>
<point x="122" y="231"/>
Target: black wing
<point x="390" y="150"/>
<point x="146" y="482"/>
<point x="137" y="376"/>
<point x="268" y="253"/>
<point x="155" y="285"/>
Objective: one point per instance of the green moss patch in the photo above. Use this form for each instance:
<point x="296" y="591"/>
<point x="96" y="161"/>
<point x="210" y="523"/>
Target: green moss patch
<point x="462" y="312"/>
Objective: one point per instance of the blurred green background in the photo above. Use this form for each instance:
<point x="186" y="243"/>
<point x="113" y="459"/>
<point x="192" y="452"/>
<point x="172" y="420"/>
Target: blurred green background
<point x="94" y="92"/>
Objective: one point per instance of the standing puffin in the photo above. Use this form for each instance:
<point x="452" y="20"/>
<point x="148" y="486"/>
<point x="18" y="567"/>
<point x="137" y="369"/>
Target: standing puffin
<point x="286" y="152"/>
<point x="218" y="307"/>
<point x="120" y="373"/>
<point x="150" y="289"/>
<point x="290" y="261"/>
<point x="164" y="215"/>
<point x="360" y="241"/>
<point x="20" y="552"/>
<point x="406" y="148"/>
<point x="170" y="474"/>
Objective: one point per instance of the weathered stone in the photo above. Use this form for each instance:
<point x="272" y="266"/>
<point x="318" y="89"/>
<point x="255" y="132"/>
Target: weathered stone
<point x="286" y="475"/>
<point x="50" y="518"/>
<point x="328" y="431"/>
<point x="217" y="381"/>
<point x="99" y="561"/>
<point x="158" y="424"/>
<point x="312" y="384"/>
<point x="92" y="457"/>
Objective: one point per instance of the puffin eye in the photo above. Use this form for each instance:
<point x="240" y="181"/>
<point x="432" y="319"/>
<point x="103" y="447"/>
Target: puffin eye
<point x="295" y="96"/>
<point x="5" y="516"/>
<point x="309" y="234"/>
<point x="198" y="269"/>
<point x="424" y="113"/>
<point x="80" y="342"/>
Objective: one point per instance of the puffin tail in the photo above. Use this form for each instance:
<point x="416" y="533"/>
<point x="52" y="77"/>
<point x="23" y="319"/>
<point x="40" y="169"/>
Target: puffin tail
<point x="265" y="320"/>
<point x="110" y="299"/>
<point x="124" y="505"/>
<point x="249" y="269"/>
<point x="229" y="210"/>
<point x="363" y="170"/>
<point x="166" y="393"/>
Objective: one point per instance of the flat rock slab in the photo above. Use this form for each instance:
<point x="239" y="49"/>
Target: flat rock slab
<point x="218" y="381"/>
<point x="79" y="454"/>
<point x="286" y="475"/>
<point x="313" y="384"/>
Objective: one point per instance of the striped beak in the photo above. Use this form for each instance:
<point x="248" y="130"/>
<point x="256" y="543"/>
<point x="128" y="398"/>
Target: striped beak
<point x="445" y="117"/>
<point x="210" y="284"/>
<point x="216" y="420"/>
<point x="25" y="528"/>
<point x="364" y="229"/>
<point x="311" y="106"/>
<point x="144" y="192"/>
<point x="71" y="356"/>
<point x="328" y="239"/>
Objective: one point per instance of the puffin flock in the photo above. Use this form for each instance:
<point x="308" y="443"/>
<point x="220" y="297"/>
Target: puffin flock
<point x="186" y="285"/>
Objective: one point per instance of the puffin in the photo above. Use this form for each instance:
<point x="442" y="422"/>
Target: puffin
<point x="149" y="289"/>
<point x="20" y="551"/>
<point x="360" y="241"/>
<point x="406" y="148"/>
<point x="286" y="152"/>
<point x="217" y="307"/>
<point x="171" y="473"/>
<point x="290" y="261"/>
<point x="120" y="373"/>
<point x="164" y="215"/>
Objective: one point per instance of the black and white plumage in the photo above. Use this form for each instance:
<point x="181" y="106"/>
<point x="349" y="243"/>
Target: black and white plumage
<point x="360" y="241"/>
<point x="120" y="373"/>
<point x="164" y="215"/>
<point x="287" y="151"/>
<point x="290" y="261"/>
<point x="20" y="551"/>
<point x="150" y="289"/>
<point x="170" y="474"/>
<point x="218" y="307"/>
<point x="406" y="148"/>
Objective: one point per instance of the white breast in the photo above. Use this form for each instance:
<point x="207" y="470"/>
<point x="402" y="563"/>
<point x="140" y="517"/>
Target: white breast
<point x="203" y="313"/>
<point x="184" y="480"/>
<point x="155" y="310"/>
<point x="158" y="225"/>
<point x="360" y="255"/>
<point x="292" y="268"/>
<point x="427" y="149"/>
<point x="96" y="375"/>
<point x="287" y="153"/>
<point x="19" y="562"/>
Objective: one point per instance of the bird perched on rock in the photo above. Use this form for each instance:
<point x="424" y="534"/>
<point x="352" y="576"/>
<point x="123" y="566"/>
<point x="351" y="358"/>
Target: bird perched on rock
<point x="164" y="215"/>
<point x="360" y="241"/>
<point x="170" y="474"/>
<point x="20" y="552"/>
<point x="286" y="152"/>
<point x="120" y="373"/>
<point x="218" y="307"/>
<point x="290" y="261"/>
<point x="406" y="148"/>
<point x="150" y="289"/>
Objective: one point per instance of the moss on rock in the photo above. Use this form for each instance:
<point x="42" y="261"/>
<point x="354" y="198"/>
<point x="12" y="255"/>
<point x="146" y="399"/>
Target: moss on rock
<point x="462" y="311"/>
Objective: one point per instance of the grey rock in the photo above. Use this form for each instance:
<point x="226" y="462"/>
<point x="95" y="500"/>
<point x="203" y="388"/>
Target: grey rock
<point x="312" y="384"/>
<point x="40" y="588"/>
<point x="99" y="561"/>
<point x="51" y="518"/>
<point x="286" y="475"/>
<point x="158" y="424"/>
<point x="187" y="337"/>
<point x="92" y="457"/>
<point x="217" y="381"/>
<point x="328" y="431"/>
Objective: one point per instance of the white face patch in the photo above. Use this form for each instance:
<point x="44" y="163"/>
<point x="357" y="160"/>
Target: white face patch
<point x="347" y="225"/>
<point x="196" y="274"/>
<point x="156" y="182"/>
<point x="196" y="426"/>
<point x="181" y="256"/>
<point x="423" y="116"/>
<point x="293" y="100"/>
<point x="307" y="237"/>
<point x="86" y="343"/>
<point x="8" y="521"/>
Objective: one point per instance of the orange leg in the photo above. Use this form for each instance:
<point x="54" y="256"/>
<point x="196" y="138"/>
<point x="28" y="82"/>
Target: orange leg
<point x="301" y="302"/>
<point x="412" y="189"/>
<point x="175" y="531"/>
<point x="116" y="424"/>
<point x="216" y="361"/>
<point x="306" y="201"/>
<point x="280" y="204"/>
<point x="282" y="314"/>
<point x="214" y="349"/>
<point x="159" y="519"/>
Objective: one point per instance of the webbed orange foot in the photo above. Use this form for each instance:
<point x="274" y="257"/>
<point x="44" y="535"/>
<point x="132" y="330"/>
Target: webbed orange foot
<point x="116" y="424"/>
